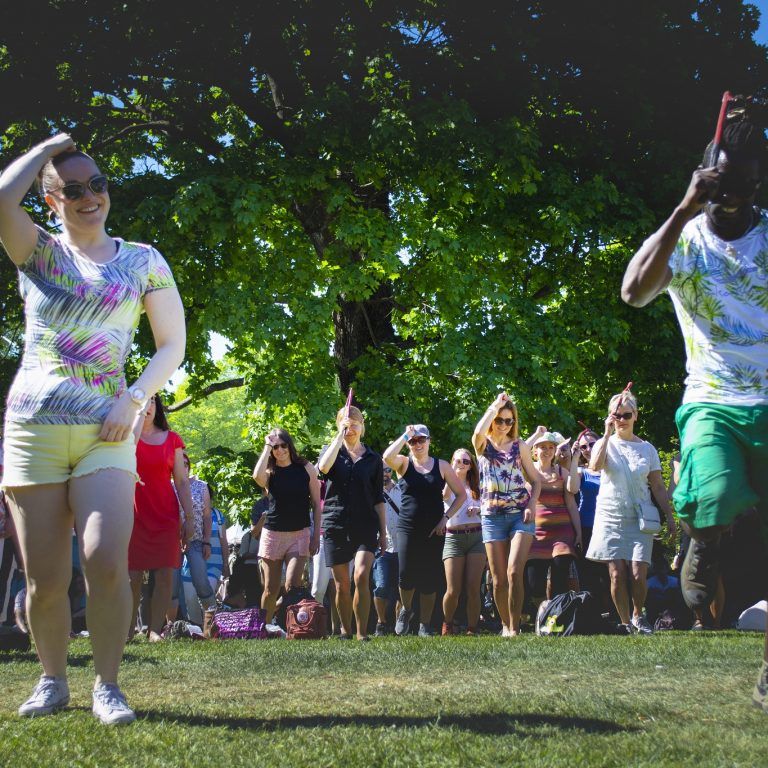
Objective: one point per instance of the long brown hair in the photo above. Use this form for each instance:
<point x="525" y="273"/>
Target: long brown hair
<point x="294" y="454"/>
<point x="514" y="430"/>
<point x="473" y="475"/>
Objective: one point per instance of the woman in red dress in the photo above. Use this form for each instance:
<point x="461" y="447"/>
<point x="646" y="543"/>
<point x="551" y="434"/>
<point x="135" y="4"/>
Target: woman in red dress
<point x="155" y="541"/>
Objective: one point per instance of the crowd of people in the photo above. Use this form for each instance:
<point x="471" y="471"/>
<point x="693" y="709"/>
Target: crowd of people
<point x="539" y="514"/>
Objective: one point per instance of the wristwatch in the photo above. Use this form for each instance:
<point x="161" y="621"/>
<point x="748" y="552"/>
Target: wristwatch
<point x="138" y="396"/>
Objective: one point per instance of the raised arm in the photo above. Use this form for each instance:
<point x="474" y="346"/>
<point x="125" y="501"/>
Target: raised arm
<point x="260" y="470"/>
<point x="534" y="478"/>
<point x="479" y="437"/>
<point x="392" y="457"/>
<point x="600" y="449"/>
<point x="17" y="230"/>
<point x="328" y="457"/>
<point x="648" y="272"/>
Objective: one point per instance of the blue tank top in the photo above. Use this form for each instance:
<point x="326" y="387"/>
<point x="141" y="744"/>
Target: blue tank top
<point x="590" y="485"/>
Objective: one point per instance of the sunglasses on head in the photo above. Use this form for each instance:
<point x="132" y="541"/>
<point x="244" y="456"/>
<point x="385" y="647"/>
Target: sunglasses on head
<point x="418" y="440"/>
<point x="623" y="416"/>
<point x="275" y="446"/>
<point x="500" y="420"/>
<point x="74" y="190"/>
<point x="463" y="461"/>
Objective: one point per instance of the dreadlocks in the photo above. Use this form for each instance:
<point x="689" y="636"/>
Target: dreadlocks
<point x="743" y="134"/>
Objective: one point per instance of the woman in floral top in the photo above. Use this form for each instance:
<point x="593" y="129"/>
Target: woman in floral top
<point x="506" y="505"/>
<point x="70" y="451"/>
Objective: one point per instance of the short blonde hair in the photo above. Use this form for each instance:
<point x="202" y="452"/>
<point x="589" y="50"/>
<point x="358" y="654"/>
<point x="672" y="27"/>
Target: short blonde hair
<point x="354" y="413"/>
<point x="623" y="397"/>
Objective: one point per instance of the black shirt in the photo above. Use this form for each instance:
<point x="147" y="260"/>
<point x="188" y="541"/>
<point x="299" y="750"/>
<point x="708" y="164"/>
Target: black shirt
<point x="354" y="488"/>
<point x="421" y="503"/>
<point x="289" y="499"/>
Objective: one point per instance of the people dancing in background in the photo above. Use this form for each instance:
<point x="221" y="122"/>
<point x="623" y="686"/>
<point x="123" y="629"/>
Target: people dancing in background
<point x="464" y="555"/>
<point x="293" y="487"/>
<point x="631" y="472"/>
<point x="354" y="522"/>
<point x="70" y="456"/>
<point x="156" y="541"/>
<point x="421" y="524"/>
<point x="558" y="527"/>
<point x="507" y="506"/>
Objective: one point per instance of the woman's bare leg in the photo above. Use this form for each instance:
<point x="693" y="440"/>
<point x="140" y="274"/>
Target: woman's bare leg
<point x="454" y="579"/>
<point x="343" y="585"/>
<point x="518" y="556"/>
<point x="498" y="559"/>
<point x="161" y="601"/>
<point x="473" y="576"/>
<point x="361" y="603"/>
<point x="617" y="570"/>
<point x="102" y="504"/>
<point x="273" y="573"/>
<point x="44" y="525"/>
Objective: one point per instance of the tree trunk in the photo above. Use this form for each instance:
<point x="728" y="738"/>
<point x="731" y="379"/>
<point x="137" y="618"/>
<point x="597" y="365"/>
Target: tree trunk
<point x="359" y="325"/>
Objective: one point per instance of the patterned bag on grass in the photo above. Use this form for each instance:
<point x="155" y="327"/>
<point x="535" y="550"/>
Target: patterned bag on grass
<point x="248" y="624"/>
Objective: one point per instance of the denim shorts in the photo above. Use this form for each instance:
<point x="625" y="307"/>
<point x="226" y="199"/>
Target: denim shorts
<point x="384" y="574"/>
<point x="504" y="526"/>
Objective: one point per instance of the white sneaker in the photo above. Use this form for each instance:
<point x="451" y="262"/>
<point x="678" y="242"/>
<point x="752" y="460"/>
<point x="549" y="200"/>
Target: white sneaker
<point x="109" y="705"/>
<point x="505" y="631"/>
<point x="50" y="694"/>
<point x="640" y="625"/>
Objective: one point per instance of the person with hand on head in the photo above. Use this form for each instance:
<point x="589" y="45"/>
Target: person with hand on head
<point x="70" y="452"/>
<point x="558" y="528"/>
<point x="422" y="522"/>
<point x="464" y="555"/>
<point x="507" y="506"/>
<point x="354" y="522"/>
<point x="293" y="487"/>
<point x="710" y="255"/>
<point x="156" y="541"/>
<point x="631" y="472"/>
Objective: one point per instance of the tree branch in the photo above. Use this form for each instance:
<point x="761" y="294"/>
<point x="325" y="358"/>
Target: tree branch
<point x="218" y="386"/>
<point x="164" y="124"/>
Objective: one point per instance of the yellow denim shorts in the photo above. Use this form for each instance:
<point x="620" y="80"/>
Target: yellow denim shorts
<point x="36" y="454"/>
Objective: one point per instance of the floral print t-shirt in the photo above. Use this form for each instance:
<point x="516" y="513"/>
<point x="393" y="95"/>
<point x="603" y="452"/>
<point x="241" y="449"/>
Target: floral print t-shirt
<point x="720" y="292"/>
<point x="502" y="485"/>
<point x="81" y="318"/>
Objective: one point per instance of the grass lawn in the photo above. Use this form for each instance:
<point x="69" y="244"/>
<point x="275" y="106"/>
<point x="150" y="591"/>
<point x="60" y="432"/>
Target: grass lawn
<point x="675" y="699"/>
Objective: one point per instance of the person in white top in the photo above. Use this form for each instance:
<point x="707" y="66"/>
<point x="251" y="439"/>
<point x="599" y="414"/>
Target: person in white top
<point x="631" y="471"/>
<point x="385" y="566"/>
<point x="464" y="555"/>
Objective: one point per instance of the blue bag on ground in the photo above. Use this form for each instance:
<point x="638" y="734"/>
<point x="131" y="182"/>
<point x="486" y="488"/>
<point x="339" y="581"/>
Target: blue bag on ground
<point x="572" y="613"/>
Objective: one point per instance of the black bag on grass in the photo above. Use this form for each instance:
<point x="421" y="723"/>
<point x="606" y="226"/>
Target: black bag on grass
<point x="13" y="639"/>
<point x="572" y="613"/>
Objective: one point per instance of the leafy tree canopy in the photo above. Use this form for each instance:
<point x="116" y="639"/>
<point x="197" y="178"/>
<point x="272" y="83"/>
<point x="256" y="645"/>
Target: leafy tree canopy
<point x="425" y="200"/>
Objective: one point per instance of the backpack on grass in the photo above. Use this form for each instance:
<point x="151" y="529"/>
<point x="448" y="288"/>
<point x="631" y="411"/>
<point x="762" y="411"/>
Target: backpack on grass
<point x="306" y="620"/>
<point x="572" y="613"/>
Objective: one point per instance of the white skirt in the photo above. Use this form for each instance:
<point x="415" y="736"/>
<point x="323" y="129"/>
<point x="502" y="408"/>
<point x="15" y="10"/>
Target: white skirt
<point x="617" y="536"/>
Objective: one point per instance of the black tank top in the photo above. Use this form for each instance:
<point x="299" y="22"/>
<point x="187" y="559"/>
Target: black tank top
<point x="289" y="500"/>
<point x="421" y="506"/>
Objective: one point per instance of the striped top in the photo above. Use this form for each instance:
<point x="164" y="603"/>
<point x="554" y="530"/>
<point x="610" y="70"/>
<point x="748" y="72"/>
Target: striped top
<point x="555" y="534"/>
<point x="81" y="318"/>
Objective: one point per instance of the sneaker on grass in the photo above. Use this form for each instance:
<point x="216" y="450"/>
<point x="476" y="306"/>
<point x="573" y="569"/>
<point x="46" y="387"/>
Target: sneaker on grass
<point x="426" y="631"/>
<point x="640" y="625"/>
<point x="760" y="694"/>
<point x="50" y="694"/>
<point x="382" y="629"/>
<point x="403" y="622"/>
<point x="110" y="706"/>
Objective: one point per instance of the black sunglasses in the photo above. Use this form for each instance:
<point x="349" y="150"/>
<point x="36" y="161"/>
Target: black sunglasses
<point x="418" y="440"/>
<point x="463" y="461"/>
<point x="623" y="416"/>
<point x="279" y="445"/>
<point x="737" y="186"/>
<point x="586" y="446"/>
<point x="74" y="190"/>
<point x="500" y="420"/>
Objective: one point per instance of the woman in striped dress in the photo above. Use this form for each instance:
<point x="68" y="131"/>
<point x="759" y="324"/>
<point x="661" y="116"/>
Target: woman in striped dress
<point x="558" y="527"/>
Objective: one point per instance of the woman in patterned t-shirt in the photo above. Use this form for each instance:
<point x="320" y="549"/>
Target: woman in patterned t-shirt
<point x="70" y="418"/>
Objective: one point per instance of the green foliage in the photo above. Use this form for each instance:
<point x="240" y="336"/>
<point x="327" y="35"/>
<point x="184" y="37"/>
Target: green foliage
<point x="427" y="201"/>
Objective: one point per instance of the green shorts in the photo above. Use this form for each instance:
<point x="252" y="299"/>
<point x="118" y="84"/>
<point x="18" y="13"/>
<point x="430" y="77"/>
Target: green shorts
<point x="724" y="467"/>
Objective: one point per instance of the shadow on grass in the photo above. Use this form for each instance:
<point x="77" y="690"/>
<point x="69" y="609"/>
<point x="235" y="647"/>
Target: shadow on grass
<point x="81" y="660"/>
<point x="480" y="723"/>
